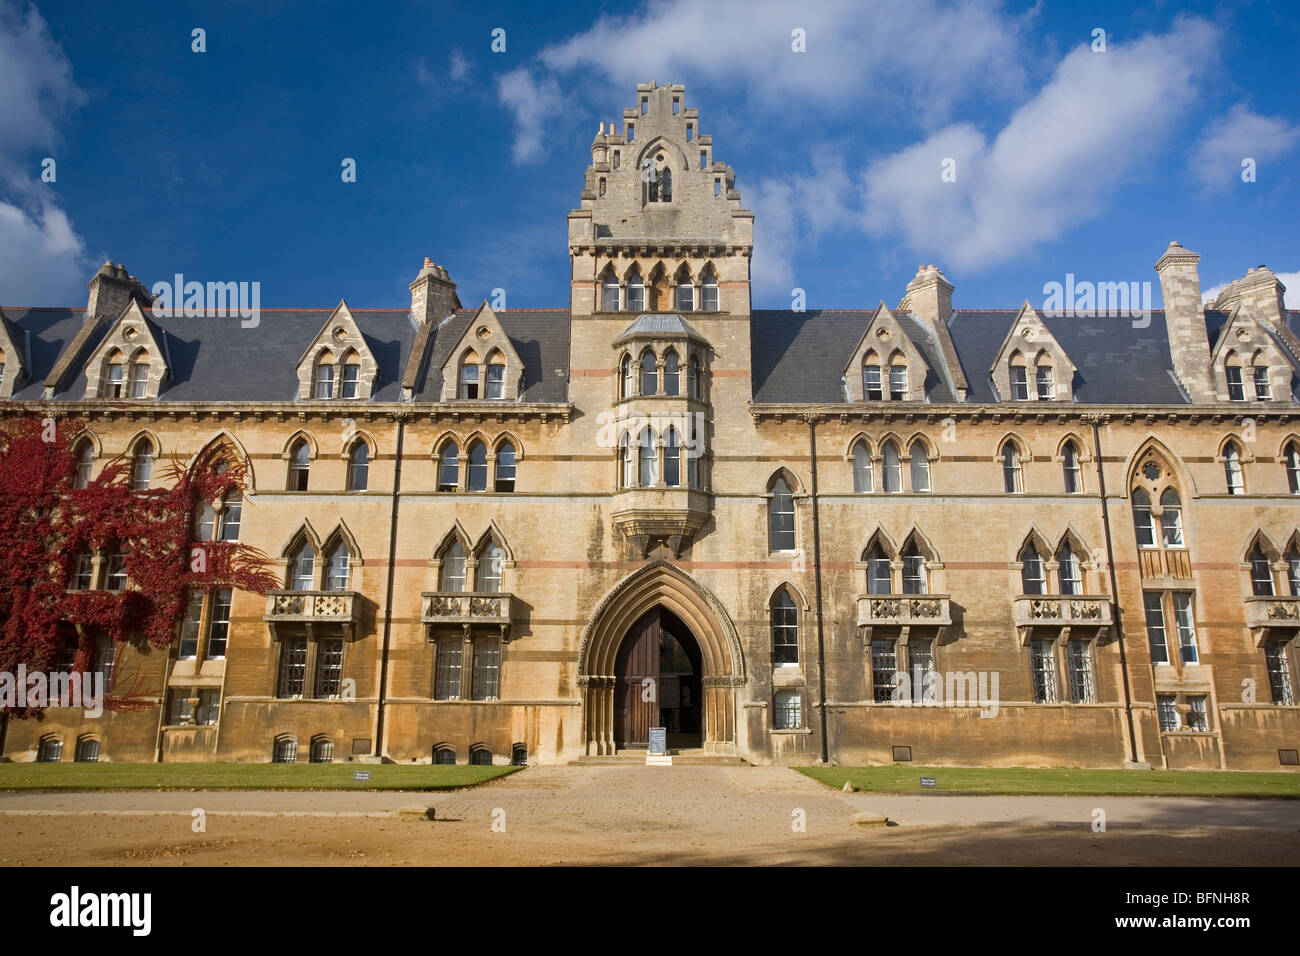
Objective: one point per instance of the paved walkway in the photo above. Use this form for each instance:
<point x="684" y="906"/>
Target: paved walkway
<point x="641" y="815"/>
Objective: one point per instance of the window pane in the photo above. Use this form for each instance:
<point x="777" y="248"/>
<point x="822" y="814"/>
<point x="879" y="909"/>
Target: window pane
<point x="337" y="568"/>
<point x="1143" y="523"/>
<point x="898" y="382"/>
<point x="496" y="381"/>
<point x="672" y="460"/>
<point x="359" y="467"/>
<point x="487" y="668"/>
<point x="453" y="569"/>
<point x="446" y="685"/>
<point x="862" y="478"/>
<point x="1263" y="390"/>
<point x="449" y="467"/>
<point x="1043" y="665"/>
<point x="914" y="578"/>
<point x="785" y="631"/>
<point x="781" y="517"/>
<point x="490" y="565"/>
<point x="884" y="664"/>
<point x="1236" y="392"/>
<point x="469" y="381"/>
<point x="219" y="624"/>
<point x="649" y="374"/>
<point x="649" y="459"/>
<point x="329" y="667"/>
<point x="1031" y="571"/>
<point x="232" y="513"/>
<point x="302" y="568"/>
<point x="709" y="296"/>
<point x="878" y="581"/>
<point x="1019" y="383"/>
<point x="1167" y="712"/>
<point x="1079" y="669"/>
<point x="609" y="295"/>
<point x="892" y="469"/>
<point x="189" y="644"/>
<point x="1171" y="520"/>
<point x="920" y="467"/>
<point x="477" y="472"/>
<point x="1153" y="604"/>
<point x="1186" y="627"/>
<point x="293" y="667"/>
<point x="872" y="388"/>
<point x="672" y="377"/>
<point x="1046" y="383"/>
<point x="1279" y="672"/>
<point x="786" y="714"/>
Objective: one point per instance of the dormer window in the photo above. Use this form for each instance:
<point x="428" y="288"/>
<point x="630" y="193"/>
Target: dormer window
<point x="1236" y="389"/>
<point x="1019" y="379"/>
<point x="323" y="384"/>
<point x="872" y="387"/>
<point x="351" y="376"/>
<point x="1045" y="381"/>
<point x="140" y="376"/>
<point x="114" y="378"/>
<point x="1263" y="390"/>
<point x="469" y="377"/>
<point x="496" y="379"/>
<point x="897" y="383"/>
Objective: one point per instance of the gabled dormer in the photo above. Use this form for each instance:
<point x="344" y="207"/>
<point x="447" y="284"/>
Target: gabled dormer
<point x="1031" y="365"/>
<point x="13" y="356"/>
<point x="1246" y="364"/>
<point x="483" y="365"/>
<point x="338" y="365"/>
<point x="886" y="365"/>
<point x="131" y="361"/>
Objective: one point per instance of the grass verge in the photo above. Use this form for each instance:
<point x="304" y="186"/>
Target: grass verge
<point x="241" y="776"/>
<point x="1062" y="782"/>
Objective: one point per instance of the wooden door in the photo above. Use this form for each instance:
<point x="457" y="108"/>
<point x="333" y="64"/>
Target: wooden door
<point x="636" y="704"/>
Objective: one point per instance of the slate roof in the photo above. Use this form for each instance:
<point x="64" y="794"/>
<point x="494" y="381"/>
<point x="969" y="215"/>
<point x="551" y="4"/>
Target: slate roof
<point x="797" y="357"/>
<point x="659" y="324"/>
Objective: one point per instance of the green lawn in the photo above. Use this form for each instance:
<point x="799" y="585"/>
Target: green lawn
<point x="976" y="780"/>
<point x="240" y="776"/>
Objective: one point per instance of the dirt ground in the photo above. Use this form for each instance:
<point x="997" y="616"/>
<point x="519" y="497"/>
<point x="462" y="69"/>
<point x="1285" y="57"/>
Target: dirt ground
<point x="638" y="816"/>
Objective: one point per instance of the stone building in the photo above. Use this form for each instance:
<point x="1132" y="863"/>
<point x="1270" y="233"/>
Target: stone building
<point x="534" y="534"/>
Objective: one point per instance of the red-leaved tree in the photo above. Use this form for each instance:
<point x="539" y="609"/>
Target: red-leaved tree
<point x="47" y="521"/>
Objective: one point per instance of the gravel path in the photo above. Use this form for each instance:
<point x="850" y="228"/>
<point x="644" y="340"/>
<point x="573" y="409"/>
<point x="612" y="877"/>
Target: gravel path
<point x="638" y="815"/>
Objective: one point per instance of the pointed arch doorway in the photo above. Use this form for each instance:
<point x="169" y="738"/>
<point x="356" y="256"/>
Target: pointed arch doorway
<point x="658" y="683"/>
<point x="624" y="642"/>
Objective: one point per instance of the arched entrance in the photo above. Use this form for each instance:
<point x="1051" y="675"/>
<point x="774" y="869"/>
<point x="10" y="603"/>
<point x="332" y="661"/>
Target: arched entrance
<point x="657" y="683"/>
<point x="623" y="643"/>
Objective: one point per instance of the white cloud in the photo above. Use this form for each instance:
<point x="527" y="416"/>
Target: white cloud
<point x="923" y="54"/>
<point x="1237" y="135"/>
<point x="1291" y="298"/>
<point x="533" y="100"/>
<point x="42" y="259"/>
<point x="1097" y="121"/>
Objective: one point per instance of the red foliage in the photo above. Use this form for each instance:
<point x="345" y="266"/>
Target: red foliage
<point x="47" y="522"/>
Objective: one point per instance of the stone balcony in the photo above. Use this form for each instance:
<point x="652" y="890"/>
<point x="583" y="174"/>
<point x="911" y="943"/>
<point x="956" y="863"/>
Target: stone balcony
<point x="465" y="609"/>
<point x="1062" y="612"/>
<point x="312" y="609"/>
<point x="1272" y="616"/>
<point x="904" y="611"/>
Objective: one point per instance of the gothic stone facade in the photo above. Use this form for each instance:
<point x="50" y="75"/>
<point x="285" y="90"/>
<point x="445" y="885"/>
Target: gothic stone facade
<point x="530" y="534"/>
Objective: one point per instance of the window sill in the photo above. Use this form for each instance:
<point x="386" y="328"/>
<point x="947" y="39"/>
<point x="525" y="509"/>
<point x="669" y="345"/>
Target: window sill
<point x="793" y="732"/>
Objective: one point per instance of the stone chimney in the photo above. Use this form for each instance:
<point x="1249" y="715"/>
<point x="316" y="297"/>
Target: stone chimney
<point x="433" y="298"/>
<point x="111" y="289"/>
<point x="929" y="299"/>
<point x="1189" y="343"/>
<point x="433" y="294"/>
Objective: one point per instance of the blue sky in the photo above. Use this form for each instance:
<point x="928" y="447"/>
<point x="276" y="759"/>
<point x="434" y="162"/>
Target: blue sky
<point x="225" y="165"/>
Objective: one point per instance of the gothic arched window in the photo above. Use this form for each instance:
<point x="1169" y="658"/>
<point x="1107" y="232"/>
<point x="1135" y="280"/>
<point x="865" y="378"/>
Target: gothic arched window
<point x="1031" y="571"/>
